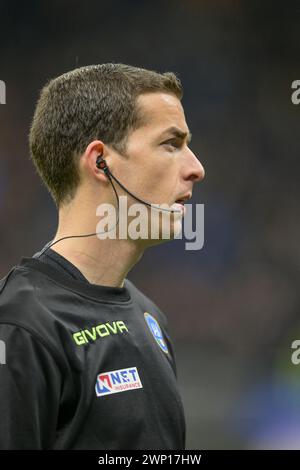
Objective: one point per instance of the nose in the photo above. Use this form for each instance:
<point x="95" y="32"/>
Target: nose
<point x="195" y="171"/>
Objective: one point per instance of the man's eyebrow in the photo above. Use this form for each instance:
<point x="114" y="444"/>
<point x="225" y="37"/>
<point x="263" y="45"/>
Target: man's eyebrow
<point x="176" y="132"/>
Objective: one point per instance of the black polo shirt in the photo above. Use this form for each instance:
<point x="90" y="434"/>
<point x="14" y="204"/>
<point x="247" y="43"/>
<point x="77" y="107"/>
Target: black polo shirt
<point x="86" y="366"/>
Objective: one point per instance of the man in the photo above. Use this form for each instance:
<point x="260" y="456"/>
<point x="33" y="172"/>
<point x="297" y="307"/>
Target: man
<point x="89" y="361"/>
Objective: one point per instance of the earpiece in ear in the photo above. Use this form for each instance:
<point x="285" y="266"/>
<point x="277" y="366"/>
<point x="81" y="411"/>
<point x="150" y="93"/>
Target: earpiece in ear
<point x="101" y="164"/>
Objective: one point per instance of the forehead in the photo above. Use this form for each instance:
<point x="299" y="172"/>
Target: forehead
<point x="161" y="111"/>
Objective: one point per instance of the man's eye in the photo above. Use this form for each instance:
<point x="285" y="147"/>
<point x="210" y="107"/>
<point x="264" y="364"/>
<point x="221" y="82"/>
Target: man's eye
<point x="171" y="143"/>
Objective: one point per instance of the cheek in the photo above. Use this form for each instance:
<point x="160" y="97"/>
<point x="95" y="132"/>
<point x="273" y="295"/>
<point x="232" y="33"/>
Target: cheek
<point x="155" y="172"/>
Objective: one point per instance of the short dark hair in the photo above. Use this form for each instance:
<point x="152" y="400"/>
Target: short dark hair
<point x="85" y="104"/>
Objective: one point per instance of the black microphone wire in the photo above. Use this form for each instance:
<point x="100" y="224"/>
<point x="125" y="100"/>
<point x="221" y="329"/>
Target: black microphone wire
<point x="110" y="176"/>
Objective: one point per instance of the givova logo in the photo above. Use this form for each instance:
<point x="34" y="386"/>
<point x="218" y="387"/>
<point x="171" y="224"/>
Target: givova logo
<point x="99" y="331"/>
<point x="117" y="381"/>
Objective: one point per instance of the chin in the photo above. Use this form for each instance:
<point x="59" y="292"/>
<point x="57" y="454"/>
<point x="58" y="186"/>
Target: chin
<point x="175" y="229"/>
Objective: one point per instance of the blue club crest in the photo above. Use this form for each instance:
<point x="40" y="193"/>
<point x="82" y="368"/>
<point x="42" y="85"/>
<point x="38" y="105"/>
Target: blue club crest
<point x="156" y="331"/>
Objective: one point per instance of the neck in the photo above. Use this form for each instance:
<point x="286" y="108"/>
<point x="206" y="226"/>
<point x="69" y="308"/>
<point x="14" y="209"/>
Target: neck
<point x="104" y="262"/>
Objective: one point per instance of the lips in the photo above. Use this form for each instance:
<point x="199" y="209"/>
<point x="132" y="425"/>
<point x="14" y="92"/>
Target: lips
<point x="183" y="199"/>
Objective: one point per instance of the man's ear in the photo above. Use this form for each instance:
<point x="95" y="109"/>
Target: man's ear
<point x="89" y="159"/>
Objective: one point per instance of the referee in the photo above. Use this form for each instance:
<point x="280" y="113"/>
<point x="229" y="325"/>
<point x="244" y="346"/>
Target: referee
<point x="89" y="362"/>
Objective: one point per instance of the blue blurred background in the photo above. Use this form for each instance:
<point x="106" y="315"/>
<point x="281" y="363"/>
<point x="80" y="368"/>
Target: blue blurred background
<point x="233" y="307"/>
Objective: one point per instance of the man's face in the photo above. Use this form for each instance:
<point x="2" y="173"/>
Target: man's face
<point x="160" y="169"/>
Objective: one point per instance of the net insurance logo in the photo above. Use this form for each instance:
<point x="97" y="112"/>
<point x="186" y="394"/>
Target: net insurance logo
<point x="117" y="381"/>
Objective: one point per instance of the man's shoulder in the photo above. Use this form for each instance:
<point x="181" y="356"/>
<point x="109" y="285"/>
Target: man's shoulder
<point x="15" y="282"/>
<point x="18" y="295"/>
<point x="24" y="318"/>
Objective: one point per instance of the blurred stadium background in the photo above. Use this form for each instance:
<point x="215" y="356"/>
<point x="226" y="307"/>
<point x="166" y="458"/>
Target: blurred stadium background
<point x="233" y="307"/>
